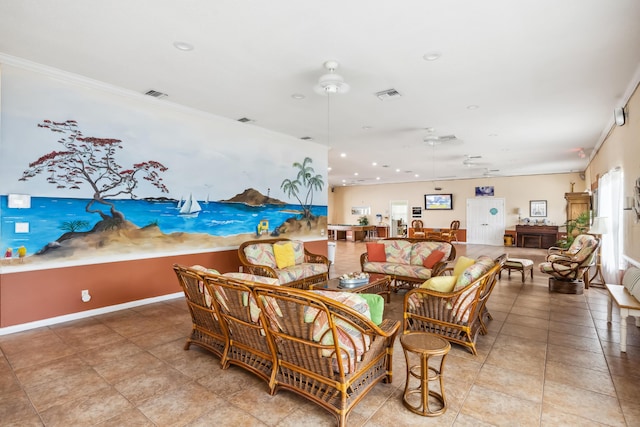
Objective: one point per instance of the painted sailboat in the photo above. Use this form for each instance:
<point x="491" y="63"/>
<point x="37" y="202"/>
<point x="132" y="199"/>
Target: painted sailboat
<point x="190" y="207"/>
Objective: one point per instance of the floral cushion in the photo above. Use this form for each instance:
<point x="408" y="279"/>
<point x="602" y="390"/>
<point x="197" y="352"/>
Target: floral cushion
<point x="252" y="278"/>
<point x="350" y="339"/>
<point x="398" y="251"/>
<point x="472" y="273"/>
<point x="300" y="271"/>
<point x="298" y="250"/>
<point x="421" y="250"/>
<point x="379" y="267"/>
<point x="260" y="254"/>
<point x="417" y="271"/>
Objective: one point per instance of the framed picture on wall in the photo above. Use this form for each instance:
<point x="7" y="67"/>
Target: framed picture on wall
<point x="537" y="208"/>
<point x="484" y="191"/>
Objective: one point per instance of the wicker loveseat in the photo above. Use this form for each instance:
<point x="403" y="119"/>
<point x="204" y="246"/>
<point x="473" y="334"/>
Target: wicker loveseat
<point x="404" y="260"/>
<point x="304" y="268"/>
<point x="458" y="315"/>
<point x="319" y="344"/>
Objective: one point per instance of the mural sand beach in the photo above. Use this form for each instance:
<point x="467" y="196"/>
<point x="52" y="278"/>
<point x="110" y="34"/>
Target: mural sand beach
<point x="153" y="227"/>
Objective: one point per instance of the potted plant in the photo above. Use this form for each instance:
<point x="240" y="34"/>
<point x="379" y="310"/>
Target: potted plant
<point x="575" y="227"/>
<point x="363" y="220"/>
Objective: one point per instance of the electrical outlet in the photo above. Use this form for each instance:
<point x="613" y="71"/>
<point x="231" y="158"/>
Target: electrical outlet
<point x="85" y="295"/>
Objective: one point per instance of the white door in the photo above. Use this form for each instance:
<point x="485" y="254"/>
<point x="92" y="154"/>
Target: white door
<point x="485" y="221"/>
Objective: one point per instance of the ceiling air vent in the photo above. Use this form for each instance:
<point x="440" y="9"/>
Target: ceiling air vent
<point x="306" y="138"/>
<point x="388" y="94"/>
<point x="245" y="120"/>
<point x="155" y="93"/>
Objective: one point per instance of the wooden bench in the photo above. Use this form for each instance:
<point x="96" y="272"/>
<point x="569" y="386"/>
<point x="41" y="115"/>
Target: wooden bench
<point x="623" y="296"/>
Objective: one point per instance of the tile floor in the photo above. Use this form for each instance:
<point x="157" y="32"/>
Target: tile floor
<point x="548" y="360"/>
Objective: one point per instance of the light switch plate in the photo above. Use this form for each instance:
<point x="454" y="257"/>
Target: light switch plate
<point x="22" y="227"/>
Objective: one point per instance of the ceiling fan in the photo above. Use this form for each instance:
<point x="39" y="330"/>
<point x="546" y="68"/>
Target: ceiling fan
<point x="470" y="161"/>
<point x="439" y="139"/>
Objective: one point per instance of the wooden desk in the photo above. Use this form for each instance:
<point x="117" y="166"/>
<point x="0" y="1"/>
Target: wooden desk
<point x="536" y="236"/>
<point x="349" y="232"/>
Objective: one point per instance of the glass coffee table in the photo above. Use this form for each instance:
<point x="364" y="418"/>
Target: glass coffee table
<point x="378" y="284"/>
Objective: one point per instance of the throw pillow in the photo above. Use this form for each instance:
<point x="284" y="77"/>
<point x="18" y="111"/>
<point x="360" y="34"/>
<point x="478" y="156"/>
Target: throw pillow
<point x="433" y="258"/>
<point x="285" y="256"/>
<point x="376" y="306"/>
<point x="375" y="252"/>
<point x="440" y="283"/>
<point x="462" y="264"/>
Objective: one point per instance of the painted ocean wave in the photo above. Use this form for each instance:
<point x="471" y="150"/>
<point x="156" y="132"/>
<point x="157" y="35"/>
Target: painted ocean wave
<point x="47" y="216"/>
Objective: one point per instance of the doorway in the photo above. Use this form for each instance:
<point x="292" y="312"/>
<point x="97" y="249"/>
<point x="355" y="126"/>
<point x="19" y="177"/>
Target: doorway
<point x="485" y="221"/>
<point x="399" y="210"/>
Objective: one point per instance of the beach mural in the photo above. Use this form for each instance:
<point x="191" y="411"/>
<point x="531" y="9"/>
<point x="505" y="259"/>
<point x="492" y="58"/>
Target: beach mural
<point x="127" y="190"/>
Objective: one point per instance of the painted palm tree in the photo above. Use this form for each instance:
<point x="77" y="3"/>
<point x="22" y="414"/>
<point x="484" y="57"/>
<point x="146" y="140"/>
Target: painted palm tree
<point x="307" y="181"/>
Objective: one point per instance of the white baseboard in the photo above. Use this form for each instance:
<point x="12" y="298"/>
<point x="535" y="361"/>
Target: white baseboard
<point x="85" y="314"/>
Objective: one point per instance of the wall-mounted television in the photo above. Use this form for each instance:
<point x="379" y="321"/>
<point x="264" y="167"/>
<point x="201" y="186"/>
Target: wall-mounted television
<point x="438" y="202"/>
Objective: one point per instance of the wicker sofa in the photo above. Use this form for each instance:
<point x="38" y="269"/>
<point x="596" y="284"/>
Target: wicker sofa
<point x="405" y="260"/>
<point x="259" y="257"/>
<point x="458" y="315"/>
<point x="318" y="344"/>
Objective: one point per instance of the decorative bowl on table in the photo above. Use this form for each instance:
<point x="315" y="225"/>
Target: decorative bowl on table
<point x="353" y="280"/>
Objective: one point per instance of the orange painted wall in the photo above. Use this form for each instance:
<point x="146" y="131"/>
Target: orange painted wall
<point x="42" y="294"/>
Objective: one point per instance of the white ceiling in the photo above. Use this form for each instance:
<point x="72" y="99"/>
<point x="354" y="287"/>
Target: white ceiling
<point x="545" y="74"/>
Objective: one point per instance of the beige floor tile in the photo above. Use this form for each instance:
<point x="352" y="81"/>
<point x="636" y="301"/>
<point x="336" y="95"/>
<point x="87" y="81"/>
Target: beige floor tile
<point x="513" y="383"/>
<point x="528" y="332"/>
<point x="554" y="416"/>
<point x="581" y="377"/>
<point x="583" y="403"/>
<point x="569" y="356"/>
<point x="88" y="409"/>
<point x="499" y="408"/>
<point x="180" y="406"/>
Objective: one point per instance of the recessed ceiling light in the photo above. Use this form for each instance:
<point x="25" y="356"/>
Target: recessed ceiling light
<point x="344" y="180"/>
<point x="184" y="46"/>
<point x="417" y="176"/>
<point x="329" y="168"/>
<point x="377" y="178"/>
<point x="355" y="173"/>
<point x="472" y="107"/>
<point x="431" y="56"/>
<point x="343" y="154"/>
<point x="374" y="164"/>
<point x="397" y="170"/>
<point x="297" y="96"/>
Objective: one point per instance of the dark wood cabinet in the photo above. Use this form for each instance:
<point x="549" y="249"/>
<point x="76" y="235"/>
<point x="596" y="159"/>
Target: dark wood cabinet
<point x="536" y="236"/>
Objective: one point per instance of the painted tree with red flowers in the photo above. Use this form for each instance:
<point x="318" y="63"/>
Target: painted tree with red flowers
<point x="92" y="161"/>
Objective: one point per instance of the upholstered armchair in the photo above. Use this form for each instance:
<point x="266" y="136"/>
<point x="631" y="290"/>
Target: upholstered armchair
<point x="574" y="267"/>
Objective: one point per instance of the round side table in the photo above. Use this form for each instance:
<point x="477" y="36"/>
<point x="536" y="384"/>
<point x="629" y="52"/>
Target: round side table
<point x="418" y="347"/>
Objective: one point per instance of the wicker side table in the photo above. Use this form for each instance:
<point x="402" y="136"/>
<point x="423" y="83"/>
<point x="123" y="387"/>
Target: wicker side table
<point x="420" y="347"/>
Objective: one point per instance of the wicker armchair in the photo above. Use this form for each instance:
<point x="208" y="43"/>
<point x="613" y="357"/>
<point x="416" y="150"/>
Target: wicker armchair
<point x="555" y="252"/>
<point x="312" y="269"/>
<point x="207" y="331"/>
<point x="317" y="363"/>
<point x="452" y="233"/>
<point x="457" y="316"/>
<point x="574" y="268"/>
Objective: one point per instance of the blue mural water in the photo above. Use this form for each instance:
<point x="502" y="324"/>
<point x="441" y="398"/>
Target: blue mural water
<point x="47" y="215"/>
